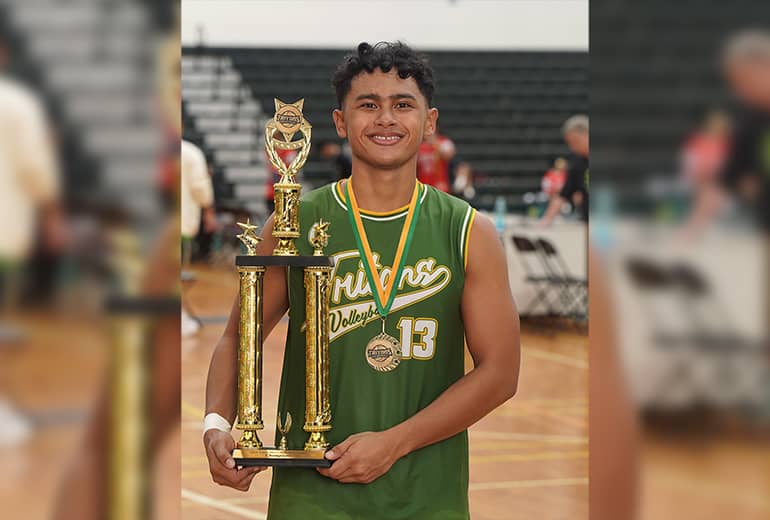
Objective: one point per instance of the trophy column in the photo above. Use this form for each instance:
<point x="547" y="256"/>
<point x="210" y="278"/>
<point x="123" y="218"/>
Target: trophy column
<point x="317" y="407"/>
<point x="286" y="225"/>
<point x="250" y="356"/>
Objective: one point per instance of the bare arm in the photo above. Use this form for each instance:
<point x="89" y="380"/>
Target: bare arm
<point x="710" y="200"/>
<point x="553" y="209"/>
<point x="492" y="332"/>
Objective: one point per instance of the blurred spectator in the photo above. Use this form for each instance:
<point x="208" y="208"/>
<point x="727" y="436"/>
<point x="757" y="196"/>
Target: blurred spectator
<point x="339" y="157"/>
<point x="197" y="197"/>
<point x="554" y="179"/>
<point x="29" y="182"/>
<point x="702" y="161"/>
<point x="462" y="183"/>
<point x="209" y="225"/>
<point x="575" y="189"/>
<point x="747" y="171"/>
<point x="197" y="194"/>
<point x="29" y="200"/>
<point x="704" y="152"/>
<point x="433" y="161"/>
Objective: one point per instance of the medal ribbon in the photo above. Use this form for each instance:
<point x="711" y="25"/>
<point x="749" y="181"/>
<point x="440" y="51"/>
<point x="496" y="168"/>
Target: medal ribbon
<point x="383" y="296"/>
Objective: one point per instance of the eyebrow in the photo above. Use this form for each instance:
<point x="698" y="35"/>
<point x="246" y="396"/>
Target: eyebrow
<point x="376" y="97"/>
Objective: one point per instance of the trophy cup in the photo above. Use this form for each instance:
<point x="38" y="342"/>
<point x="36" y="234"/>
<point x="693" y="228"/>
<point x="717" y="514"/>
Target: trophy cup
<point x="279" y="134"/>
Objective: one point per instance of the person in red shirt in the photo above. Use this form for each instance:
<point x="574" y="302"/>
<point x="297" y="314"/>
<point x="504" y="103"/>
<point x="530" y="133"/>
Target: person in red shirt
<point x="433" y="161"/>
<point x="554" y="179"/>
<point x="702" y="160"/>
<point x="704" y="153"/>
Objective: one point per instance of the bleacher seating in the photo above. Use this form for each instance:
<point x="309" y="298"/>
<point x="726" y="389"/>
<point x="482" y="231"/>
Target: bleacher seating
<point x="504" y="110"/>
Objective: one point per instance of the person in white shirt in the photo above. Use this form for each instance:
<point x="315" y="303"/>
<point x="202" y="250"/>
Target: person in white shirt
<point x="197" y="192"/>
<point x="197" y="195"/>
<point x="29" y="183"/>
<point x="29" y="190"/>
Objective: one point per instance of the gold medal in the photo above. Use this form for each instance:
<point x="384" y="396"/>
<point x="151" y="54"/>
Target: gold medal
<point x="383" y="352"/>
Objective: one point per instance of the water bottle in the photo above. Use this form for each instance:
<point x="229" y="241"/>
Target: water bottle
<point x="500" y="211"/>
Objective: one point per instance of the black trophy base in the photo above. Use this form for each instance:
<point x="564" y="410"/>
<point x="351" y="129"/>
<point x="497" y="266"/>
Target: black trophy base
<point x="291" y="261"/>
<point x="284" y="458"/>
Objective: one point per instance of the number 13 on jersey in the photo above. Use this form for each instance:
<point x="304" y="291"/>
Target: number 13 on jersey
<point x="418" y="337"/>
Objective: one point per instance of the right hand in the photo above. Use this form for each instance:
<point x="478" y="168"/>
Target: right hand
<point x="219" y="446"/>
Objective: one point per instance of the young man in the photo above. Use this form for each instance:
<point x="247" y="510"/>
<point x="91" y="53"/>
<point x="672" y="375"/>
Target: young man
<point x="399" y="440"/>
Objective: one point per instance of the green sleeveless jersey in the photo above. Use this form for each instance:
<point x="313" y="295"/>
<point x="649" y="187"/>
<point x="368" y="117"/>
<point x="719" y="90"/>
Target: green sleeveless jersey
<point x="430" y="483"/>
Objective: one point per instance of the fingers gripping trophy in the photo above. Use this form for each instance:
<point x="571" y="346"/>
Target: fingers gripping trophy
<point x="279" y="135"/>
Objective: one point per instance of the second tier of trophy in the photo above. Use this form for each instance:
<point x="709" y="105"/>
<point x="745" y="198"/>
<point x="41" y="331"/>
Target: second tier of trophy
<point x="279" y="135"/>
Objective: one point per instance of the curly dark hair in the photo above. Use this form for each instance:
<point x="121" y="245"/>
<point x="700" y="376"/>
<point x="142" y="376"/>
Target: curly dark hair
<point x="385" y="56"/>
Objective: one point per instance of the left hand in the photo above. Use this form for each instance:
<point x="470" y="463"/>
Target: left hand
<point x="362" y="458"/>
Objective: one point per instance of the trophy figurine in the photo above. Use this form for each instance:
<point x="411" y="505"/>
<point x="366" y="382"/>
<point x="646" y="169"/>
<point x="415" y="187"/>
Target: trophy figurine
<point x="284" y="429"/>
<point x="280" y="134"/>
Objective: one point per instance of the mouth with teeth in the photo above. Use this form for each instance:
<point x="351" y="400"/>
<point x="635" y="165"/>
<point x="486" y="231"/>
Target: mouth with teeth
<point x="385" y="139"/>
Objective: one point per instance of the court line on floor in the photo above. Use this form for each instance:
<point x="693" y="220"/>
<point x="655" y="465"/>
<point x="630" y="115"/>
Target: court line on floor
<point x="213" y="503"/>
<point x="500" y="444"/>
<point x="246" y="500"/>
<point x="570" y="420"/>
<point x="558" y="358"/>
<point x="508" y="484"/>
<point x="192" y="411"/>
<point x="544" y="455"/>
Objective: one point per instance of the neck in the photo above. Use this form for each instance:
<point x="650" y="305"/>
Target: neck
<point x="383" y="190"/>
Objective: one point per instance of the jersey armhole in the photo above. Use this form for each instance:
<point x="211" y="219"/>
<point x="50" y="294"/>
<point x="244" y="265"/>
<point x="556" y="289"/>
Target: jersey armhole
<point x="465" y="234"/>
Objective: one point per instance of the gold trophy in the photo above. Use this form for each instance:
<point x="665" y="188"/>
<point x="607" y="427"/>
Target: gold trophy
<point x="279" y="134"/>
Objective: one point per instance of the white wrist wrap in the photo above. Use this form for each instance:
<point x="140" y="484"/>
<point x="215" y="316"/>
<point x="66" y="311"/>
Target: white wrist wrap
<point x="214" y="421"/>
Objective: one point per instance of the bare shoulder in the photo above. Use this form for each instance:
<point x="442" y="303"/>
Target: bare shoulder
<point x="484" y="247"/>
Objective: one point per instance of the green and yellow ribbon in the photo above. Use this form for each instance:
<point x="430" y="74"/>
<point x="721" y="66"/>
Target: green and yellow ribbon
<point x="383" y="296"/>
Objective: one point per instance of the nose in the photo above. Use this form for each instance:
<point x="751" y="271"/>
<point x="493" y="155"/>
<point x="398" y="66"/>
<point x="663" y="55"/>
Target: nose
<point x="385" y="117"/>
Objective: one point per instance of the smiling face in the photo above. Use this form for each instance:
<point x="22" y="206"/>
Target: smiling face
<point x="385" y="118"/>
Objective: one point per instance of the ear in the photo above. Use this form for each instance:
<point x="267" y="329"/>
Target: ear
<point x="430" y="122"/>
<point x="339" y="123"/>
